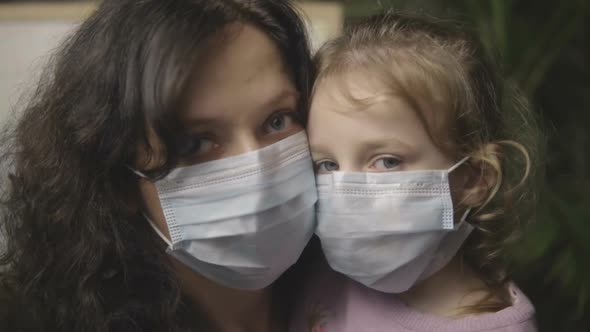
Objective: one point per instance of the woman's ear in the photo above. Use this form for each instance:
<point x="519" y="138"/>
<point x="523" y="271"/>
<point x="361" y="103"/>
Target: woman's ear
<point x="480" y="177"/>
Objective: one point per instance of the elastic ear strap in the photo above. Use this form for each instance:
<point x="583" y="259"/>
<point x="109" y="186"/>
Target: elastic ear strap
<point x="463" y="218"/>
<point x="162" y="236"/>
<point x="454" y="167"/>
<point x="138" y="173"/>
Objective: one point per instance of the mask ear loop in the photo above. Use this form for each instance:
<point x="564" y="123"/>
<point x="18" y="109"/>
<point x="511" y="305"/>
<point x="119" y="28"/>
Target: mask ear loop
<point x="466" y="213"/>
<point x="463" y="219"/>
<point x="138" y="173"/>
<point x="162" y="236"/>
<point x="459" y="163"/>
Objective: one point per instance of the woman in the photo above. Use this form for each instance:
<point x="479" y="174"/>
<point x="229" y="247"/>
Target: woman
<point x="164" y="127"/>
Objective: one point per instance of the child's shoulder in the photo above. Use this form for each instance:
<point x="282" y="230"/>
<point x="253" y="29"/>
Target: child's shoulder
<point x="518" y="317"/>
<point x="332" y="302"/>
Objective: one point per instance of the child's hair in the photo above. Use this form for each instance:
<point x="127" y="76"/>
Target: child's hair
<point x="468" y="110"/>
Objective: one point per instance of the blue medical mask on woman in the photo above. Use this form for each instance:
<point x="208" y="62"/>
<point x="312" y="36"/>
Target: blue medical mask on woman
<point x="242" y="221"/>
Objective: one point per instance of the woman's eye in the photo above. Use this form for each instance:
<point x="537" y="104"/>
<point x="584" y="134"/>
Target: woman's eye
<point x="386" y="163"/>
<point x="281" y="121"/>
<point x="326" y="166"/>
<point x="198" y="146"/>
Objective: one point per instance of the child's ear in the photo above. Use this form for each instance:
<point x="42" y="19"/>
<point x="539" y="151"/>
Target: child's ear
<point x="481" y="177"/>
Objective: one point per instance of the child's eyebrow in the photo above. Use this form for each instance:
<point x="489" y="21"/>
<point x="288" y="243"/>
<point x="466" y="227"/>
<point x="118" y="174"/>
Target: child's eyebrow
<point x="318" y="149"/>
<point x="381" y="143"/>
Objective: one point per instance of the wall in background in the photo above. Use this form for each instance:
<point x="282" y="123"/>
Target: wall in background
<point x="24" y="50"/>
<point x="29" y="32"/>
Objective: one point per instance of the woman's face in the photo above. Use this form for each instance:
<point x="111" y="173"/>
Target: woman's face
<point x="241" y="99"/>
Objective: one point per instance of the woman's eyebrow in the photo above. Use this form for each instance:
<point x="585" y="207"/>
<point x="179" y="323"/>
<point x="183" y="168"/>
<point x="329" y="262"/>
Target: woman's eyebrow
<point x="214" y="122"/>
<point x="280" y="97"/>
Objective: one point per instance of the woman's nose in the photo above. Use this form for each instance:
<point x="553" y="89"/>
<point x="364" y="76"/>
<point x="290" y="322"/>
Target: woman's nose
<point x="245" y="142"/>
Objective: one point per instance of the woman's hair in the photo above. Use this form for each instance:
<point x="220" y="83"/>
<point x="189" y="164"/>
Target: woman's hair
<point x="468" y="110"/>
<point x="77" y="255"/>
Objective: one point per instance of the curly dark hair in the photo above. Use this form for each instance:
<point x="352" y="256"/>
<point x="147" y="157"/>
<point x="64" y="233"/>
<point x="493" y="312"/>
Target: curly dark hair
<point x="78" y="255"/>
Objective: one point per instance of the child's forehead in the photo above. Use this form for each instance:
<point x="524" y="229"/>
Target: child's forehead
<point x="357" y="117"/>
<point x="365" y="93"/>
<point x="356" y="91"/>
<point x="359" y="78"/>
<point x="359" y="101"/>
<point x="351" y="86"/>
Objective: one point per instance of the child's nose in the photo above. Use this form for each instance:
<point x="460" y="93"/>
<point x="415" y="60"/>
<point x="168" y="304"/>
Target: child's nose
<point x="350" y="166"/>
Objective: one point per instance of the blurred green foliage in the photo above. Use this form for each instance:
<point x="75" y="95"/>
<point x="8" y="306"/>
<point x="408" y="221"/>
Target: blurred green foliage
<point x="543" y="49"/>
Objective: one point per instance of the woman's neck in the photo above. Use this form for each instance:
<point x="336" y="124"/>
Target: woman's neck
<point x="228" y="309"/>
<point x="449" y="291"/>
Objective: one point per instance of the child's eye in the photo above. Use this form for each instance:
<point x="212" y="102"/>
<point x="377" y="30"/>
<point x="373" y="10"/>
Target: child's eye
<point x="326" y="166"/>
<point x="386" y="163"/>
<point x="282" y="121"/>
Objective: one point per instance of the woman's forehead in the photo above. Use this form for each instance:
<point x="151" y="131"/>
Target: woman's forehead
<point x="244" y="71"/>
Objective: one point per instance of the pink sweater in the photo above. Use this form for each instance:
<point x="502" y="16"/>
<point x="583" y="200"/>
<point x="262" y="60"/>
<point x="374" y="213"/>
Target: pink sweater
<point x="334" y="303"/>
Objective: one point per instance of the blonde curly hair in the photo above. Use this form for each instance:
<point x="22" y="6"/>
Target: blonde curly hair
<point x="439" y="67"/>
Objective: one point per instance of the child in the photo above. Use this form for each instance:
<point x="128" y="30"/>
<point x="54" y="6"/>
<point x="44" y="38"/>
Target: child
<point x="425" y="165"/>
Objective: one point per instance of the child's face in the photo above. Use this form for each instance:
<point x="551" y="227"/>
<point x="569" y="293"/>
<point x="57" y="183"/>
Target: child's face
<point x="386" y="136"/>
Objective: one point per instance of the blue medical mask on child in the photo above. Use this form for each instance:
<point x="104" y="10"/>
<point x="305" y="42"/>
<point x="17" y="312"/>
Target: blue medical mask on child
<point x="242" y="221"/>
<point x="388" y="230"/>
